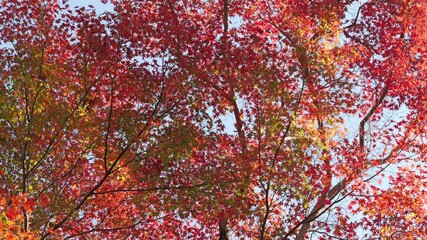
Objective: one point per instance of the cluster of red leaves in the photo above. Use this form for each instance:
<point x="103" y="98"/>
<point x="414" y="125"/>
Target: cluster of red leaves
<point x="12" y="209"/>
<point x="213" y="119"/>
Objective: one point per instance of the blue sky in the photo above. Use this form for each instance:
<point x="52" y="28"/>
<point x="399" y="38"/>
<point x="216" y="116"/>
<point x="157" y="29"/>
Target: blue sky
<point x="96" y="3"/>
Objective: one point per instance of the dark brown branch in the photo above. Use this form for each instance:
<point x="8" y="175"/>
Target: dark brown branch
<point x="67" y="118"/>
<point x="107" y="173"/>
<point x="267" y="211"/>
<point x="110" y="113"/>
<point x="223" y="230"/>
<point x="153" y="189"/>
<point x="314" y="213"/>
<point x="116" y="228"/>
<point x="383" y="94"/>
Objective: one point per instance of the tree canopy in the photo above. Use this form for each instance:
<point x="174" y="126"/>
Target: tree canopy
<point x="222" y="119"/>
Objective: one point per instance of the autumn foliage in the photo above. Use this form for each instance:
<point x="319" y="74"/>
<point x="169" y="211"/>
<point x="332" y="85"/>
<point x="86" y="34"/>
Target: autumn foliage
<point x="223" y="119"/>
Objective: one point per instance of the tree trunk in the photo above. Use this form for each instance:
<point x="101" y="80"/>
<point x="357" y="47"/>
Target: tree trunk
<point x="223" y="228"/>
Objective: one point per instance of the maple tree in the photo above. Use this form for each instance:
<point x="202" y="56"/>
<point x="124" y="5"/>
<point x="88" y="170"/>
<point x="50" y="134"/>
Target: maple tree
<point x="229" y="119"/>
